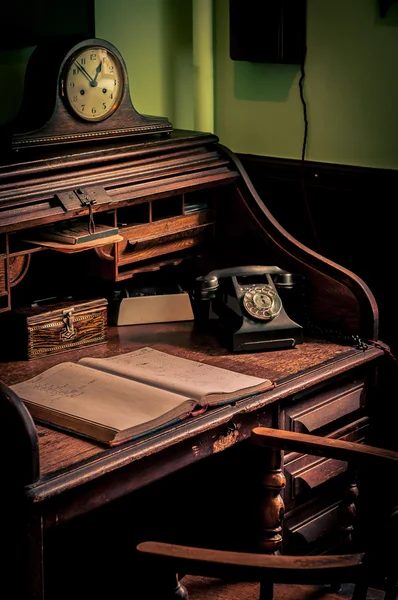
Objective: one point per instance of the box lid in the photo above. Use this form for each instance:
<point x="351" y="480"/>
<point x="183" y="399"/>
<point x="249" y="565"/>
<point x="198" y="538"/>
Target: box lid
<point x="38" y="314"/>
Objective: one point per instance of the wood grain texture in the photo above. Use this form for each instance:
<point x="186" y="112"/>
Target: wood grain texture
<point x="3" y="280"/>
<point x="212" y="588"/>
<point x="182" y="340"/>
<point x="130" y="172"/>
<point x="48" y="338"/>
<point x="315" y="358"/>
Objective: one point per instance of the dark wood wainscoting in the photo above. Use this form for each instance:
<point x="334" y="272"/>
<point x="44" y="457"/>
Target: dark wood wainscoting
<point x="352" y="212"/>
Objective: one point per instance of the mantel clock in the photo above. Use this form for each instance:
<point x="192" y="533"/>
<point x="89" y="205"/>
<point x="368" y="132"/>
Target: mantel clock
<point x="78" y="91"/>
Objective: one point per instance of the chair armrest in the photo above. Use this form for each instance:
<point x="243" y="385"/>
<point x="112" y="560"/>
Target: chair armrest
<point x="361" y="454"/>
<point x="250" y="566"/>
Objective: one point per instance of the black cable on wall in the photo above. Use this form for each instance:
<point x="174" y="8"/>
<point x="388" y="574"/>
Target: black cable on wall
<point x="317" y="243"/>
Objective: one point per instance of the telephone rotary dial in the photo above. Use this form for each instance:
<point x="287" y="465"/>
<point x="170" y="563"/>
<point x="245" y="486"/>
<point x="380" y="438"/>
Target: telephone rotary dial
<point x="262" y="302"/>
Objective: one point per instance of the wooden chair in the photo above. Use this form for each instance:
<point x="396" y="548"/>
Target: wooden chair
<point x="269" y="569"/>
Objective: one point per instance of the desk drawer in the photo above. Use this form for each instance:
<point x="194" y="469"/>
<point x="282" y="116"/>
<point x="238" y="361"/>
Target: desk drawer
<point x="313" y="496"/>
<point x="323" y="409"/>
<point x="162" y="227"/>
<point x="146" y="249"/>
<point x="305" y="473"/>
<point x="302" y="534"/>
<point x="163" y="236"/>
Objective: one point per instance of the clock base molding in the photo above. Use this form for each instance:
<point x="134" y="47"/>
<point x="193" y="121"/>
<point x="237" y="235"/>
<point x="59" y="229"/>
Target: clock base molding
<point x="44" y="138"/>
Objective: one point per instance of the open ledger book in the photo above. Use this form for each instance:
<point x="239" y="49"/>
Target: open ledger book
<point x="116" y="399"/>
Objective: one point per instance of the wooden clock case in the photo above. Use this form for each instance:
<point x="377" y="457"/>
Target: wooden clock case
<point x="44" y="118"/>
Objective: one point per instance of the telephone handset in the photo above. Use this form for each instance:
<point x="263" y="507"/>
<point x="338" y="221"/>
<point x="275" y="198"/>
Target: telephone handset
<point x="246" y="307"/>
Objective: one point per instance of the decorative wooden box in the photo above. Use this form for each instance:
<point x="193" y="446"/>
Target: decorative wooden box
<point x="52" y="329"/>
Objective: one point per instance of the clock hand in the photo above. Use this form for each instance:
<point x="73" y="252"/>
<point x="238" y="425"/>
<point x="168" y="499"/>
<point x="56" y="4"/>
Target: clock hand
<point x="83" y="70"/>
<point x="94" y="83"/>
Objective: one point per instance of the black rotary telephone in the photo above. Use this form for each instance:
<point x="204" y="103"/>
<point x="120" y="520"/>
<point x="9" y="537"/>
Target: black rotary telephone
<point x="244" y="304"/>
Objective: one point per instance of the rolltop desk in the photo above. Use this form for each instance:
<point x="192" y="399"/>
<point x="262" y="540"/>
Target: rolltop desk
<point x="184" y="206"/>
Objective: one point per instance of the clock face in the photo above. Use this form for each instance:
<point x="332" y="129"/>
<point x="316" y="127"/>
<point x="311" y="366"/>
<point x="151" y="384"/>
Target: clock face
<point x="93" y="83"/>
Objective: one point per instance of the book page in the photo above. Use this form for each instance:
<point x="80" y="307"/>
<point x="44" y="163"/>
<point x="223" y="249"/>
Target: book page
<point x="98" y="397"/>
<point x="188" y="377"/>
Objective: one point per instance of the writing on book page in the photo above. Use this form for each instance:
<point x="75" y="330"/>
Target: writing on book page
<point x="99" y="397"/>
<point x="188" y="377"/>
<point x="56" y="390"/>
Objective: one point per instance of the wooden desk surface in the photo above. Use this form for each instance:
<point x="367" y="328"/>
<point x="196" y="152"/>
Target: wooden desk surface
<point x="61" y="452"/>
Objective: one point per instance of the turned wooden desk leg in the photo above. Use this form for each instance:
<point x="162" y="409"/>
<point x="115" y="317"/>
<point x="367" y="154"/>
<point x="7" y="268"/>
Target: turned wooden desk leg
<point x="272" y="505"/>
<point x="272" y="509"/>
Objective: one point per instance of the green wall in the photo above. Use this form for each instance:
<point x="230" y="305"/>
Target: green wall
<point x="351" y="83"/>
<point x="351" y="89"/>
<point x="155" y="39"/>
<point x="12" y="72"/>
